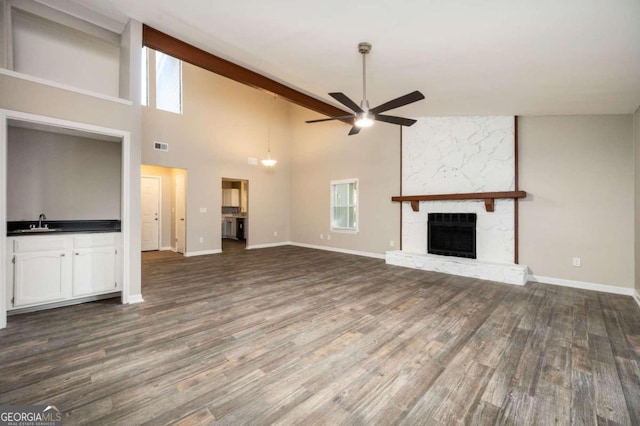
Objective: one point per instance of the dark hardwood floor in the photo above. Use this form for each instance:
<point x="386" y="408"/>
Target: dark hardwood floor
<point x="290" y="335"/>
<point x="229" y="245"/>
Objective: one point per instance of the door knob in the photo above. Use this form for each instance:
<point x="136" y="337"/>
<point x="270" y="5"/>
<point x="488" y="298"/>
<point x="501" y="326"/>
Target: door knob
<point x="182" y="218"/>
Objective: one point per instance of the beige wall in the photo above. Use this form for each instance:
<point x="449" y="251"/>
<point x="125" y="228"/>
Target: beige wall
<point x="64" y="176"/>
<point x="223" y="123"/>
<point x="324" y="152"/>
<point x="636" y="145"/>
<point x="578" y="174"/>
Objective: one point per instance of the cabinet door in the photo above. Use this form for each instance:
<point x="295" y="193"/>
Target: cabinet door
<point x="41" y="277"/>
<point x="235" y="197"/>
<point x="94" y="271"/>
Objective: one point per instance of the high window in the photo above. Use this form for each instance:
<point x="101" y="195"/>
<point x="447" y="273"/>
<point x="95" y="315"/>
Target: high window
<point x="168" y="83"/>
<point x="344" y="205"/>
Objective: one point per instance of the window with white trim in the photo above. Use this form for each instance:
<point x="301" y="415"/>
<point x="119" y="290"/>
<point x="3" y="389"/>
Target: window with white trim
<point x="344" y="205"/>
<point x="168" y="83"/>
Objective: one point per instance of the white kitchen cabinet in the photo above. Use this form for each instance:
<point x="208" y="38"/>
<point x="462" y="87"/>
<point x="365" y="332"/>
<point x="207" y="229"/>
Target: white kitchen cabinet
<point x="41" y="277"/>
<point x="231" y="197"/>
<point x="94" y="265"/>
<point x="57" y="269"/>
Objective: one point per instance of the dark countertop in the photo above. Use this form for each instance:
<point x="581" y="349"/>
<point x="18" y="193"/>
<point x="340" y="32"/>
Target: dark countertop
<point x="64" y="226"/>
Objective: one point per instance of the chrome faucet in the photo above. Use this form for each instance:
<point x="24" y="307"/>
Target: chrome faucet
<point x="40" y="219"/>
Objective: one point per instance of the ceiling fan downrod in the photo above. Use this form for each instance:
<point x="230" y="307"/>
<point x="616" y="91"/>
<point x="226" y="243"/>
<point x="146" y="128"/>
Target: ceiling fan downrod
<point x="364" y="48"/>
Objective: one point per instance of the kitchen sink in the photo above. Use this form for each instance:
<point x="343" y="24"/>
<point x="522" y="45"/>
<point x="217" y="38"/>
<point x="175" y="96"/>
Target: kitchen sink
<point x="36" y="230"/>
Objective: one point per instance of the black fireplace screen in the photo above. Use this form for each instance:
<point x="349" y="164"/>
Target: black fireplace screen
<point x="452" y="234"/>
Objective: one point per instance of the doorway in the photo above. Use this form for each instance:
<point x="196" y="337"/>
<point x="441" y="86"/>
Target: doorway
<point x="181" y="211"/>
<point x="166" y="225"/>
<point x="234" y="214"/>
<point x="150" y="210"/>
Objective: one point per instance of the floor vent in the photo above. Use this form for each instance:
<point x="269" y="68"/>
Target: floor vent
<point x="161" y="146"/>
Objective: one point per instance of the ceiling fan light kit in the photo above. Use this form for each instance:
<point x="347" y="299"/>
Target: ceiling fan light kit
<point x="364" y="120"/>
<point x="363" y="116"/>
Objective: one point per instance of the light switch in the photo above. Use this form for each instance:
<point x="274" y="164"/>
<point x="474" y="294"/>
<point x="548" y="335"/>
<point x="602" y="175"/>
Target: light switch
<point x="203" y="209"/>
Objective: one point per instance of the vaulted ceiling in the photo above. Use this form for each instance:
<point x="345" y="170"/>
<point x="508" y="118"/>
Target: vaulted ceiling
<point x="469" y="57"/>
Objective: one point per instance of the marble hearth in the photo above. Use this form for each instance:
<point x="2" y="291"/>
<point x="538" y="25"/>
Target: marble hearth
<point x="474" y="268"/>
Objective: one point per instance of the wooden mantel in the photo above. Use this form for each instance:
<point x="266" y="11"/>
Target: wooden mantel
<point x="488" y="198"/>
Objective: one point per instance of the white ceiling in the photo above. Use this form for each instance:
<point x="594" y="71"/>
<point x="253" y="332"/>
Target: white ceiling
<point x="469" y="57"/>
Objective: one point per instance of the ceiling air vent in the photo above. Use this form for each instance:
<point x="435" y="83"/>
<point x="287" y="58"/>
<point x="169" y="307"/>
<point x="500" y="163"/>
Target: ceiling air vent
<point x="161" y="146"/>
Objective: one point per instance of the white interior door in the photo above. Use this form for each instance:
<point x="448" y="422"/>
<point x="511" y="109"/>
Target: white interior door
<point x="181" y="218"/>
<point x="150" y="188"/>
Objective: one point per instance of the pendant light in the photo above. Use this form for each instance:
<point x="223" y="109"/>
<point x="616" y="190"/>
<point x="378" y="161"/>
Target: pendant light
<point x="269" y="162"/>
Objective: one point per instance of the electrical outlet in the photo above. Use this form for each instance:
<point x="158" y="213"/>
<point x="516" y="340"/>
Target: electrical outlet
<point x="201" y="240"/>
<point x="328" y="236"/>
<point x="275" y="233"/>
<point x="321" y="237"/>
<point x="577" y="262"/>
<point x="392" y="243"/>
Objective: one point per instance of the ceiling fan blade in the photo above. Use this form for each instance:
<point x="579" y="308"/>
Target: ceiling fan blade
<point x="396" y="120"/>
<point x="354" y="130"/>
<point x="398" y="102"/>
<point x="343" y="117"/>
<point x="344" y="100"/>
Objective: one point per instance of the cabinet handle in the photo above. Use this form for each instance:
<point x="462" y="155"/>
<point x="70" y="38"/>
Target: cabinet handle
<point x="61" y="254"/>
<point x="77" y="254"/>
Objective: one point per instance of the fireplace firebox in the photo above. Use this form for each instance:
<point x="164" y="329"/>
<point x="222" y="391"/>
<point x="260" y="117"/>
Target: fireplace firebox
<point x="452" y="234"/>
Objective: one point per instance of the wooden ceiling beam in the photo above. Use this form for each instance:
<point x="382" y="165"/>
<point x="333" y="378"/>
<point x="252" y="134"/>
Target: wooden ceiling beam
<point x="169" y="45"/>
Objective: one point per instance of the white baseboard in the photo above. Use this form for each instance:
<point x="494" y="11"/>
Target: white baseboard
<point x="267" y="245"/>
<point x="340" y="250"/>
<point x="202" y="252"/>
<point x="135" y="298"/>
<point x="167" y="249"/>
<point x="582" y="285"/>
<point x="636" y="296"/>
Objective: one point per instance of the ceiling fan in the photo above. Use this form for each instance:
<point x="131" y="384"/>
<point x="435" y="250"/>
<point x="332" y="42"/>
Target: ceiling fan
<point x="363" y="116"/>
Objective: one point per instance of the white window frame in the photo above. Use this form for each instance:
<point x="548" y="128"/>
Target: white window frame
<point x="332" y="186"/>
<point x="144" y="87"/>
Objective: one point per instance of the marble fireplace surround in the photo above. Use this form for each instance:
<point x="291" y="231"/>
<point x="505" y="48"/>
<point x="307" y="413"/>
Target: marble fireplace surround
<point x="461" y="155"/>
